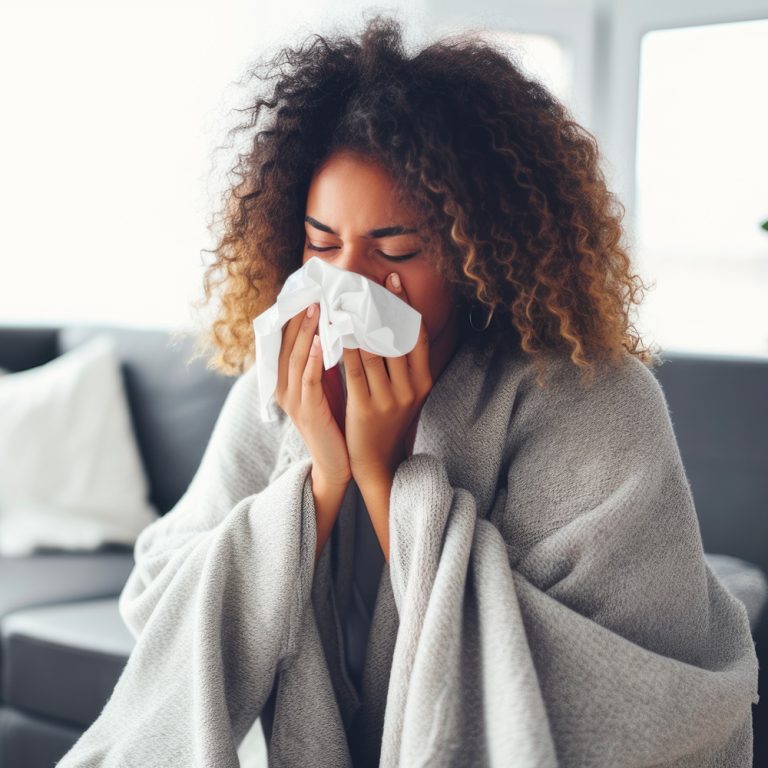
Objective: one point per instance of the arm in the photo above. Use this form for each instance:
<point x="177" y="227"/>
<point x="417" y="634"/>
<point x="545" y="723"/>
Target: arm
<point x="376" y="498"/>
<point x="328" y="498"/>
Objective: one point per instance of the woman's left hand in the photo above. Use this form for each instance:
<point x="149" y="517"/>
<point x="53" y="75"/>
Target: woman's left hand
<point x="384" y="396"/>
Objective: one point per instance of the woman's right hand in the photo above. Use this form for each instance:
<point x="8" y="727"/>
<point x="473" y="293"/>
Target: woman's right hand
<point x="300" y="394"/>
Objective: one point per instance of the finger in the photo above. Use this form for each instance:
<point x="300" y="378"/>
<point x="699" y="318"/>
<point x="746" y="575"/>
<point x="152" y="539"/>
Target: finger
<point x="400" y="378"/>
<point x="417" y="360"/>
<point x="357" y="382"/>
<point x="377" y="378"/>
<point x="297" y="359"/>
<point x="312" y="394"/>
<point x="290" y="331"/>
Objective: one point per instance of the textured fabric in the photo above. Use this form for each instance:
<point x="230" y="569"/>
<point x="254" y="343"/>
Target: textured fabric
<point x="546" y="602"/>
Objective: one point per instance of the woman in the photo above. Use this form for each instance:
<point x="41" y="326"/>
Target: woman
<point x="498" y="560"/>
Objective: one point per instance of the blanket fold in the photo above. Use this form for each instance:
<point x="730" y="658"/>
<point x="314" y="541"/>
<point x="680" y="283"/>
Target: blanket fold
<point x="215" y="601"/>
<point x="580" y="676"/>
<point x="574" y="620"/>
<point x="552" y="602"/>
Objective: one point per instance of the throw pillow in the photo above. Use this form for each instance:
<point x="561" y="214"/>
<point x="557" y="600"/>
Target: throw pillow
<point x="71" y="475"/>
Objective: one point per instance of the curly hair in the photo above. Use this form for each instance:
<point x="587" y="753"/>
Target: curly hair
<point x="513" y="207"/>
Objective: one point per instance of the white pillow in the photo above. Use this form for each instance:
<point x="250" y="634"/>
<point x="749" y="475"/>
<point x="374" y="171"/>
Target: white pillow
<point x="71" y="475"/>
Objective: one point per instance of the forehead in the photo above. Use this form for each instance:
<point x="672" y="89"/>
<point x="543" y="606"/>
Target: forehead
<point x="357" y="190"/>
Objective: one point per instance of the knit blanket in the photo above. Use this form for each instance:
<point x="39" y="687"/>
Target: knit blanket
<point x="554" y="604"/>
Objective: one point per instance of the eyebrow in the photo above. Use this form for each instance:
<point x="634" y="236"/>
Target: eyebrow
<point x="381" y="232"/>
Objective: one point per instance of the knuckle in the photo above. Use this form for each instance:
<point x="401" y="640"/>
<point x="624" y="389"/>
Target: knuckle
<point x="371" y="360"/>
<point x="385" y="406"/>
<point x="308" y="378"/>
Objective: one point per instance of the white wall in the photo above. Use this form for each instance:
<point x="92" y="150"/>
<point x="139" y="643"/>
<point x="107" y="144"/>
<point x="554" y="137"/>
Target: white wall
<point x="112" y="110"/>
<point x="111" y="113"/>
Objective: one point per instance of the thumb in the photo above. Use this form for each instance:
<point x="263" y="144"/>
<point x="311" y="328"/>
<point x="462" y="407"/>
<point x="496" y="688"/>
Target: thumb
<point x="394" y="283"/>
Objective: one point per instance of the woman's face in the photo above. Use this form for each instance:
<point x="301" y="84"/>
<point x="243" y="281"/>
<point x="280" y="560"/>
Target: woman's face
<point x="352" y="215"/>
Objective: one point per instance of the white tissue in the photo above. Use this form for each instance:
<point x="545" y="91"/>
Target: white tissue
<point x="355" y="312"/>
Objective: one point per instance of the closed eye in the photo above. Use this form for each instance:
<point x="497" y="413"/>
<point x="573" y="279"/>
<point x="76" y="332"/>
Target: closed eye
<point x="403" y="257"/>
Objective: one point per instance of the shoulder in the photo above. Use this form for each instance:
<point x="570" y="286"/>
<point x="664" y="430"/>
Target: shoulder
<point x="623" y="406"/>
<point x="239" y="421"/>
<point x="563" y="379"/>
<point x="245" y="399"/>
<point x="574" y="446"/>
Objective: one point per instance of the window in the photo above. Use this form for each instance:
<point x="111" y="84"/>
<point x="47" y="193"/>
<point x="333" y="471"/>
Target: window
<point x="555" y="43"/>
<point x="702" y="187"/>
<point x="543" y="57"/>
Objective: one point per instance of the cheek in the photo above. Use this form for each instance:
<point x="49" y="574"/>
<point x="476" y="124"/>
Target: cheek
<point x="433" y="308"/>
<point x="427" y="295"/>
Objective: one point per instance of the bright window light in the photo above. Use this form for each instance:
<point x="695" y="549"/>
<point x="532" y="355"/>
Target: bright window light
<point x="702" y="188"/>
<point x="543" y="57"/>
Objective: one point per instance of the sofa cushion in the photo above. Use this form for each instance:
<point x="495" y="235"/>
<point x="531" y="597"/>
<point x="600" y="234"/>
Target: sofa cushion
<point x="717" y="408"/>
<point x="743" y="579"/>
<point x="71" y="475"/>
<point x="173" y="397"/>
<point x="62" y="661"/>
<point x="23" y="347"/>
<point x="27" y="741"/>
<point x="55" y="577"/>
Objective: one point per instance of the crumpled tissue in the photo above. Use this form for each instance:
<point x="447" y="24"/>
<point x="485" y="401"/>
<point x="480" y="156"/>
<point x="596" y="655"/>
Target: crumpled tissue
<point x="355" y="312"/>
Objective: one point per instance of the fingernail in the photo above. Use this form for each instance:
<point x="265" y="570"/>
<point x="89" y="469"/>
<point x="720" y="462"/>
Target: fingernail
<point x="394" y="280"/>
<point x="310" y="310"/>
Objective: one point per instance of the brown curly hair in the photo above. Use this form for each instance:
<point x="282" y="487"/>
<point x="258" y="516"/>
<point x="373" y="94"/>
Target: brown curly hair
<point x="513" y="205"/>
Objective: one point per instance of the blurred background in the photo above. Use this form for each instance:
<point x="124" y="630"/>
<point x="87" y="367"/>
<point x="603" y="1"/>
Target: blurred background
<point x="114" y="155"/>
<point x="112" y="149"/>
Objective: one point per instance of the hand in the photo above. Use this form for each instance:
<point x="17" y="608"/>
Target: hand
<point x="384" y="396"/>
<point x="300" y="394"/>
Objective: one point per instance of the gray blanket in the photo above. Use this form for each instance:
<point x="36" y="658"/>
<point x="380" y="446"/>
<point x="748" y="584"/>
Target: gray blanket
<point x="551" y="603"/>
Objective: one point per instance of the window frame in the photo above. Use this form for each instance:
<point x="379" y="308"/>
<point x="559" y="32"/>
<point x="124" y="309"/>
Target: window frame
<point x="574" y="26"/>
<point x="627" y="29"/>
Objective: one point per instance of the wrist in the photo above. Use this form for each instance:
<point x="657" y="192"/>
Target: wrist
<point x="378" y="486"/>
<point x="376" y="494"/>
<point x="324" y="481"/>
<point x="328" y="498"/>
<point x="381" y="477"/>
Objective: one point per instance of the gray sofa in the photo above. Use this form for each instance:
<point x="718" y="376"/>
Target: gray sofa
<point x="63" y="643"/>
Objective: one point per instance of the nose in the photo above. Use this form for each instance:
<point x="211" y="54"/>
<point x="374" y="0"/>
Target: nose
<point x="358" y="259"/>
